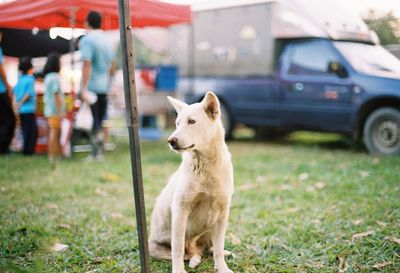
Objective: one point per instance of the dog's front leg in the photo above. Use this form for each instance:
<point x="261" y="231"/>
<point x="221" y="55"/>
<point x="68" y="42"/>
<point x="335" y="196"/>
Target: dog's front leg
<point x="179" y="220"/>
<point x="218" y="241"/>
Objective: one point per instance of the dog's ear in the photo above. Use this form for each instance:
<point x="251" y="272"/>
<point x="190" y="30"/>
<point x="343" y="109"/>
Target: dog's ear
<point x="211" y="105"/>
<point x="177" y="104"/>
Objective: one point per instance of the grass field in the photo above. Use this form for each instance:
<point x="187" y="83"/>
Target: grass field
<point x="311" y="203"/>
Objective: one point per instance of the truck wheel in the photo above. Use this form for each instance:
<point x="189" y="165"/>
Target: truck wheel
<point x="226" y="121"/>
<point x="382" y="132"/>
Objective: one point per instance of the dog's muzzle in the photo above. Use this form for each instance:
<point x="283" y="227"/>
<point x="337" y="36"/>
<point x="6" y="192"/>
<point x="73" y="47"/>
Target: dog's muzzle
<point x="173" y="142"/>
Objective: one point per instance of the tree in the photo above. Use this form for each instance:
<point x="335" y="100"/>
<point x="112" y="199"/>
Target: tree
<point x="386" y="26"/>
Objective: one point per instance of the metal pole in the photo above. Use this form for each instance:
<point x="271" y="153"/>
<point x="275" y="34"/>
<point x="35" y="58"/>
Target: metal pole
<point x="72" y="43"/>
<point x="192" y="58"/>
<point x="128" y="66"/>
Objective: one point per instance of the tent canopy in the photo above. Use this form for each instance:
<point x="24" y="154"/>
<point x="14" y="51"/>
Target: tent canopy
<point x="45" y="14"/>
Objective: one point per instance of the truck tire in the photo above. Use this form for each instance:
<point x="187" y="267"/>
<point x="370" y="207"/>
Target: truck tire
<point x="382" y="132"/>
<point x="226" y="121"/>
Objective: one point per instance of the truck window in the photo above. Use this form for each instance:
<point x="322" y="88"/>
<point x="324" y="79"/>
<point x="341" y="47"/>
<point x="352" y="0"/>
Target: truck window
<point x="370" y="59"/>
<point x="311" y="58"/>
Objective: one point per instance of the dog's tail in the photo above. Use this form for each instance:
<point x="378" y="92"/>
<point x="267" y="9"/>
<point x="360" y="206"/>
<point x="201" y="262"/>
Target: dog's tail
<point x="159" y="251"/>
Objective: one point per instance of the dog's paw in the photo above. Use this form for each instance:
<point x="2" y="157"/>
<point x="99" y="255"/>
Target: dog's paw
<point x="227" y="253"/>
<point x="194" y="261"/>
<point x="179" y="271"/>
<point x="223" y="268"/>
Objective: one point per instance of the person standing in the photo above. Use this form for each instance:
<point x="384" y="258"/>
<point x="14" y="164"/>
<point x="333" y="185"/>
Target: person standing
<point x="24" y="92"/>
<point x="97" y="55"/>
<point x="7" y="116"/>
<point x="53" y="104"/>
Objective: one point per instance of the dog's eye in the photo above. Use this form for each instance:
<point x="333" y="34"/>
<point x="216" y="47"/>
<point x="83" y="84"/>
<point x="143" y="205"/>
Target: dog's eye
<point x="191" y="121"/>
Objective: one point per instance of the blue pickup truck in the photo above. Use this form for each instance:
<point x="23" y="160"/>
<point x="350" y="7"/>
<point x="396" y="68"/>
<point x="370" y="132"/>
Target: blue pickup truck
<point x="314" y="82"/>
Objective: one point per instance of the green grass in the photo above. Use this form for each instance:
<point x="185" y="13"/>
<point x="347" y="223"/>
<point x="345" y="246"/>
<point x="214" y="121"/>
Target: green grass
<point x="296" y="207"/>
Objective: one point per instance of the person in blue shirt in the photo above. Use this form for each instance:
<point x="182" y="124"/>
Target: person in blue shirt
<point x="99" y="65"/>
<point x="53" y="104"/>
<point x="25" y="96"/>
<point x="7" y="116"/>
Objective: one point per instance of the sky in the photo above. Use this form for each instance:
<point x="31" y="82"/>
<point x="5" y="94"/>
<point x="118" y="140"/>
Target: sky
<point x="360" y="6"/>
<point x="379" y="5"/>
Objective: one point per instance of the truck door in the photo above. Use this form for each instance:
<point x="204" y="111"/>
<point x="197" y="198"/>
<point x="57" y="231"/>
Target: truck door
<point x="311" y="96"/>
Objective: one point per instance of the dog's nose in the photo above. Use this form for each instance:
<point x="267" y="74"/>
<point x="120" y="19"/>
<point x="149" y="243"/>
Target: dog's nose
<point x="173" y="141"/>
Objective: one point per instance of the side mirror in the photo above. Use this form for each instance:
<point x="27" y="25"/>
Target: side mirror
<point x="338" y="69"/>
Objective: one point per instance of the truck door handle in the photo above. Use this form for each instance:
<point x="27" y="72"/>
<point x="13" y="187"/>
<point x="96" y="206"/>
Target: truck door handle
<point x="296" y="87"/>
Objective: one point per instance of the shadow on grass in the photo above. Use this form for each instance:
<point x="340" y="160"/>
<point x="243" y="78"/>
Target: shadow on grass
<point x="328" y="141"/>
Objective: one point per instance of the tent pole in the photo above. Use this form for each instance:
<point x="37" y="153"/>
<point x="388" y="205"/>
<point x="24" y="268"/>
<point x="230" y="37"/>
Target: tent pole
<point x="128" y="65"/>
<point x="72" y="43"/>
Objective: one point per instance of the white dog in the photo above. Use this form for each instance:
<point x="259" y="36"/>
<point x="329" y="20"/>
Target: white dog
<point x="191" y="213"/>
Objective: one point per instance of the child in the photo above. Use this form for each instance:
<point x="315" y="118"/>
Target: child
<point x="26" y="105"/>
<point x="53" y="104"/>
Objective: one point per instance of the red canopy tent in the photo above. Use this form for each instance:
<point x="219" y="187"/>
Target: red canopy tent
<point x="45" y="14"/>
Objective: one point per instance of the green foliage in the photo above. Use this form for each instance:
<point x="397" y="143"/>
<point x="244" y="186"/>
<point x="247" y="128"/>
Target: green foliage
<point x="300" y="205"/>
<point x="386" y="27"/>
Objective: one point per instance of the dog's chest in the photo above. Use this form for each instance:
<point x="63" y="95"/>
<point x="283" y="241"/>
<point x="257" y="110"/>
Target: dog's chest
<point x="205" y="212"/>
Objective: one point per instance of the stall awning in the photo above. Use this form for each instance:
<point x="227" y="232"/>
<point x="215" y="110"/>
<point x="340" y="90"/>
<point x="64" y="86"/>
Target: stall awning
<point x="45" y="14"/>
